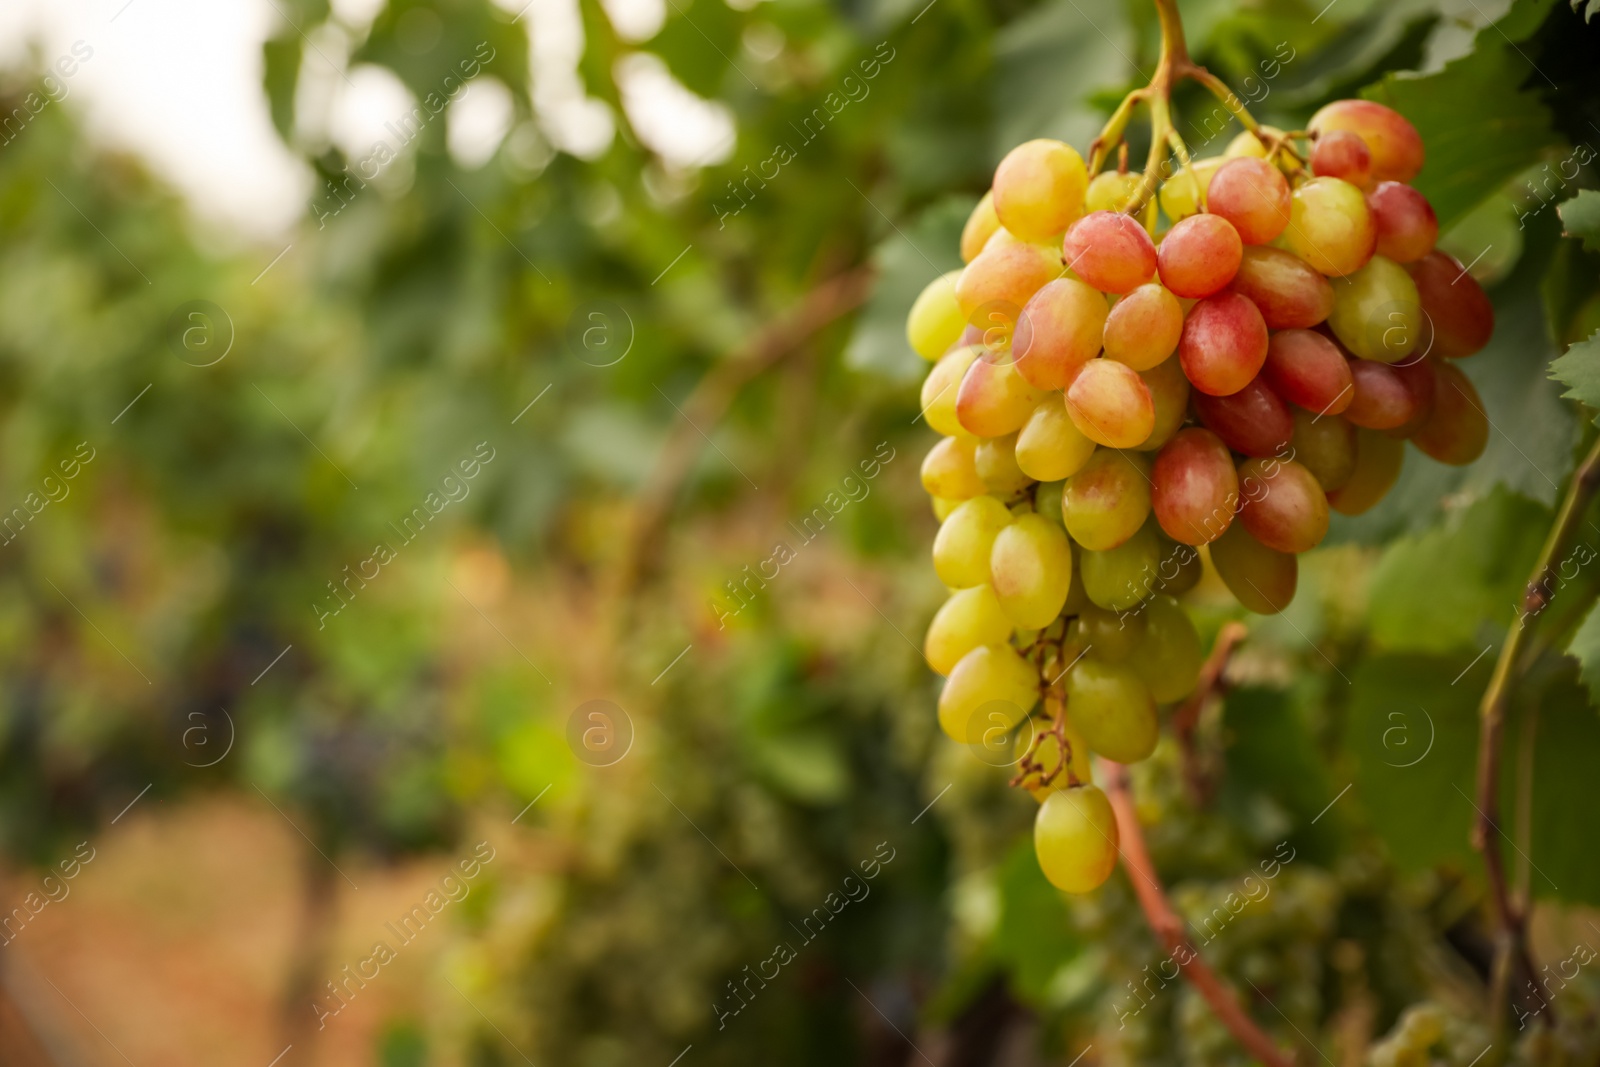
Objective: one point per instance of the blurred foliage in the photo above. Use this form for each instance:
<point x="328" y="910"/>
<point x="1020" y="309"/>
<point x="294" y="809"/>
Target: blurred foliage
<point x="179" y="598"/>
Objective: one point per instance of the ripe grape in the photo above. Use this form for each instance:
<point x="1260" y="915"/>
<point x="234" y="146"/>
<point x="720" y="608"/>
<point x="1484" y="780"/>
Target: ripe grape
<point x="1109" y="190"/>
<point x="949" y="470"/>
<point x="1118" y="578"/>
<point x="1420" y="380"/>
<point x="996" y="461"/>
<point x="1108" y="499"/>
<point x="1006" y="273"/>
<point x="1143" y="327"/>
<point x="961" y="548"/>
<point x="936" y="320"/>
<point x="1194" y="488"/>
<point x="1283" y="504"/>
<point x="943" y="508"/>
<point x="1342" y="154"/>
<point x="1031" y="565"/>
<point x="1305" y="368"/>
<point x="1180" y="570"/>
<point x="981" y="225"/>
<point x="1049" y="446"/>
<point x="1253" y="195"/>
<point x="1455" y="305"/>
<point x="1224" y="344"/>
<point x="1260" y="578"/>
<point x="1376" y="311"/>
<point x="1199" y="255"/>
<point x="1288" y="292"/>
<point x="993" y="398"/>
<point x="1377" y="467"/>
<point x="1113" y="709"/>
<point x="991" y="679"/>
<point x="1248" y="144"/>
<point x="1047" y="501"/>
<point x="1394" y="143"/>
<point x="1059" y="331"/>
<point x="1075" y="838"/>
<point x="1330" y="226"/>
<point x="1110" y="404"/>
<point x="1406" y="224"/>
<point x="1039" y="187"/>
<point x="1170" y="656"/>
<point x="941" y="387"/>
<point x="1381" y="400"/>
<point x="971" y="617"/>
<point x="1169" y="393"/>
<point x="1327" y="447"/>
<point x="1185" y="192"/>
<point x="1254" y="420"/>
<point x="1457" y="429"/>
<point x="1110" y="251"/>
<point x="1112" y="635"/>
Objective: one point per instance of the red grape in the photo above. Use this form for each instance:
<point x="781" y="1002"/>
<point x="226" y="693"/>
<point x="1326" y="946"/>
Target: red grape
<point x="1305" y="368"/>
<point x="1419" y="378"/>
<point x="1194" y="489"/>
<point x="1058" y="332"/>
<point x="1458" y="429"/>
<point x="1253" y="420"/>
<point x="1394" y="143"/>
<point x="1289" y="292"/>
<point x="1342" y="154"/>
<point x="1253" y="195"/>
<point x="1456" y="305"/>
<point x="1199" y="255"/>
<point x="1224" y="342"/>
<point x="1407" y="226"/>
<point x="1110" y="251"/>
<point x="1260" y="578"/>
<point x="1143" y="327"/>
<point x="1380" y="398"/>
<point x="1282" y="504"/>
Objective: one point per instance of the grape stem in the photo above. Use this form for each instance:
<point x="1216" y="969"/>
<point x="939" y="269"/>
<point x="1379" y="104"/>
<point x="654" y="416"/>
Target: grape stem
<point x="1511" y="914"/>
<point x="1169" y="928"/>
<point x="1187" y="717"/>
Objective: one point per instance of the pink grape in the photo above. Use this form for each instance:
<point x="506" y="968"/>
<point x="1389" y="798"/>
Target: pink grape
<point x="1458" y="429"/>
<point x="994" y="399"/>
<point x="1305" y="368"/>
<point x="1394" y="144"/>
<point x="1456" y="305"/>
<point x="1143" y="327"/>
<point x="1407" y="226"/>
<point x="981" y="225"/>
<point x="1110" y="251"/>
<point x="1039" y="187"/>
<point x="1289" y="292"/>
<point x="1254" y="196"/>
<point x="1006" y="274"/>
<point x="1283" y="505"/>
<point x="1342" y="154"/>
<point x="1253" y="420"/>
<point x="1111" y="405"/>
<point x="1199" y="255"/>
<point x="1058" y="331"/>
<point x="1380" y="399"/>
<point x="1224" y="343"/>
<point x="1421" y="382"/>
<point x="1194" y="487"/>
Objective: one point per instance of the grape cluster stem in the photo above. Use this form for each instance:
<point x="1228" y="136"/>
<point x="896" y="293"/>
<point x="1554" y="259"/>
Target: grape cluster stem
<point x="1169" y="928"/>
<point x="1511" y="912"/>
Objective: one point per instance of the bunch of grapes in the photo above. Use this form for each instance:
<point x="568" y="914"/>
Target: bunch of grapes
<point x="1117" y="403"/>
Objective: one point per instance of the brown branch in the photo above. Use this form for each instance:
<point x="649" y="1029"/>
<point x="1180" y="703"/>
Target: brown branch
<point x="1187" y="717"/>
<point x="707" y="404"/>
<point x="1169" y="928"/>
<point x="1512" y="943"/>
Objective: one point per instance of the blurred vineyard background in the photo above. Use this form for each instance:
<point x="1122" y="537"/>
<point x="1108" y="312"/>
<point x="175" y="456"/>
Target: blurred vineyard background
<point x="676" y="344"/>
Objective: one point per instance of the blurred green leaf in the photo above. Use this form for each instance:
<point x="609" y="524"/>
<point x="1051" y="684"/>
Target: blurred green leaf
<point x="906" y="263"/>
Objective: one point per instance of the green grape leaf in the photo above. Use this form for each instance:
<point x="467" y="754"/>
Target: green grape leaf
<point x="1269" y="750"/>
<point x="1585" y="648"/>
<point x="1033" y="938"/>
<point x="1481" y="129"/>
<point x="1437" y="591"/>
<point x="1580" y="217"/>
<point x="907" y="261"/>
<point x="1579" y="371"/>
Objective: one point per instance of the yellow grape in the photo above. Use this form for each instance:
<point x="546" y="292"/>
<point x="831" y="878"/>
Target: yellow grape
<point x="1330" y="226"/>
<point x="961" y="548"/>
<point x="941" y="387"/>
<point x="1185" y="192"/>
<point x="1039" y="187"/>
<point x="1169" y="657"/>
<point x="1113" y="708"/>
<point x="1260" y="578"/>
<point x="1169" y="395"/>
<point x="1248" y="144"/>
<point x="942" y="507"/>
<point x="1377" y="312"/>
<point x="1118" y="578"/>
<point x="992" y="679"/>
<point x="1049" y="446"/>
<point x="936" y="321"/>
<point x="996" y="460"/>
<point x="1107" y="501"/>
<point x="981" y="225"/>
<point x="1005" y="274"/>
<point x="1030" y="565"/>
<point x="971" y="617"/>
<point x="1109" y="190"/>
<point x="1075" y="838"/>
<point x="950" y="471"/>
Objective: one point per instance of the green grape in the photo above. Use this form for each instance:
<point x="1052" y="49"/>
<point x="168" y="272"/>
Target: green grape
<point x="1107" y="501"/>
<point x="995" y="459"/>
<point x="1112" y="635"/>
<point x="936" y="321"/>
<point x="942" y="385"/>
<point x="961" y="548"/>
<point x="1075" y="837"/>
<point x="1169" y="657"/>
<point x="1077" y="599"/>
<point x="1039" y="187"/>
<point x="1260" y="578"/>
<point x="970" y="618"/>
<point x="1049" y="446"/>
<point x="1118" y="578"/>
<point x="1031" y="568"/>
<point x="1377" y="312"/>
<point x="988" y="679"/>
<point x="1047" y="502"/>
<point x="950" y="470"/>
<point x="1113" y="708"/>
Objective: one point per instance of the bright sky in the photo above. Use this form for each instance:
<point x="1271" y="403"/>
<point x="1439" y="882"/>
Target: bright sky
<point x="179" y="82"/>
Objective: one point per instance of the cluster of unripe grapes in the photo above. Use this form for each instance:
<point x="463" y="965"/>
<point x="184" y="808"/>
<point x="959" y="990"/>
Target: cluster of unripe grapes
<point x="1113" y="398"/>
